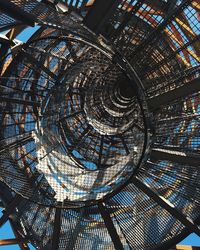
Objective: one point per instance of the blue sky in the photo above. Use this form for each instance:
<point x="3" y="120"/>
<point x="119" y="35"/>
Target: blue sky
<point x="6" y="232"/>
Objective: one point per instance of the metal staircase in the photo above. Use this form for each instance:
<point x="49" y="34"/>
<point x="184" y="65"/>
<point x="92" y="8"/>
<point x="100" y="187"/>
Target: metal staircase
<point x="99" y="113"/>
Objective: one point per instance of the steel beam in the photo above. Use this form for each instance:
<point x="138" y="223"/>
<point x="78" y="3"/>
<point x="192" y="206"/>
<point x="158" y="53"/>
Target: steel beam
<point x="56" y="229"/>
<point x="78" y="142"/>
<point x="16" y="241"/>
<point x="156" y="32"/>
<point x="18" y="101"/>
<point x="10" y="209"/>
<point x="22" y="241"/>
<point x="9" y="26"/>
<point x="110" y="226"/>
<point x="172" y="95"/>
<point x="191" y="159"/>
<point x="5" y="40"/>
<point x="3" y="53"/>
<point x="169" y="207"/>
<point x="127" y="18"/>
<point x="22" y="139"/>
<point x="172" y="55"/>
<point x="39" y="65"/>
<point x="69" y="116"/>
<point x="98" y="16"/>
<point x="158" y="5"/>
<point x="16" y="12"/>
<point x="170" y="6"/>
<point x="100" y="150"/>
<point x="5" y="44"/>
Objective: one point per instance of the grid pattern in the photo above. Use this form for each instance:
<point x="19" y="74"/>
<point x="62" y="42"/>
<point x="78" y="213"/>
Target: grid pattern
<point x="75" y="126"/>
<point x="69" y="125"/>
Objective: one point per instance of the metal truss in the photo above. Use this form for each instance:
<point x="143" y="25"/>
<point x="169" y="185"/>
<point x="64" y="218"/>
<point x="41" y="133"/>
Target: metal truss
<point x="73" y="151"/>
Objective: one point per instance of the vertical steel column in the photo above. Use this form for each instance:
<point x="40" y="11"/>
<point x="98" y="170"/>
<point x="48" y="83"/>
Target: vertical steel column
<point x="99" y="14"/>
<point x="110" y="226"/>
<point x="56" y="229"/>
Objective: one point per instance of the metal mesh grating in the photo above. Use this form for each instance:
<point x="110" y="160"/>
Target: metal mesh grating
<point x="92" y="145"/>
<point x="99" y="140"/>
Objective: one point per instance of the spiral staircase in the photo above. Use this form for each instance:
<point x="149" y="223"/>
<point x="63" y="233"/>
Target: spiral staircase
<point x="100" y="123"/>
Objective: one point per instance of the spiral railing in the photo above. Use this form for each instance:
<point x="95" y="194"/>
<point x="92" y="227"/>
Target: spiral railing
<point x="99" y="114"/>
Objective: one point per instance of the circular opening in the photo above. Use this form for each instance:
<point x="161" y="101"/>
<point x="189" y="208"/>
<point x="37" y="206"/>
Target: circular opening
<point x="88" y="129"/>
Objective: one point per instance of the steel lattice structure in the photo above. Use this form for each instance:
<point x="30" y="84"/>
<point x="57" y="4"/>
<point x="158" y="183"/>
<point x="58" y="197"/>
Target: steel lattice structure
<point x="100" y="128"/>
